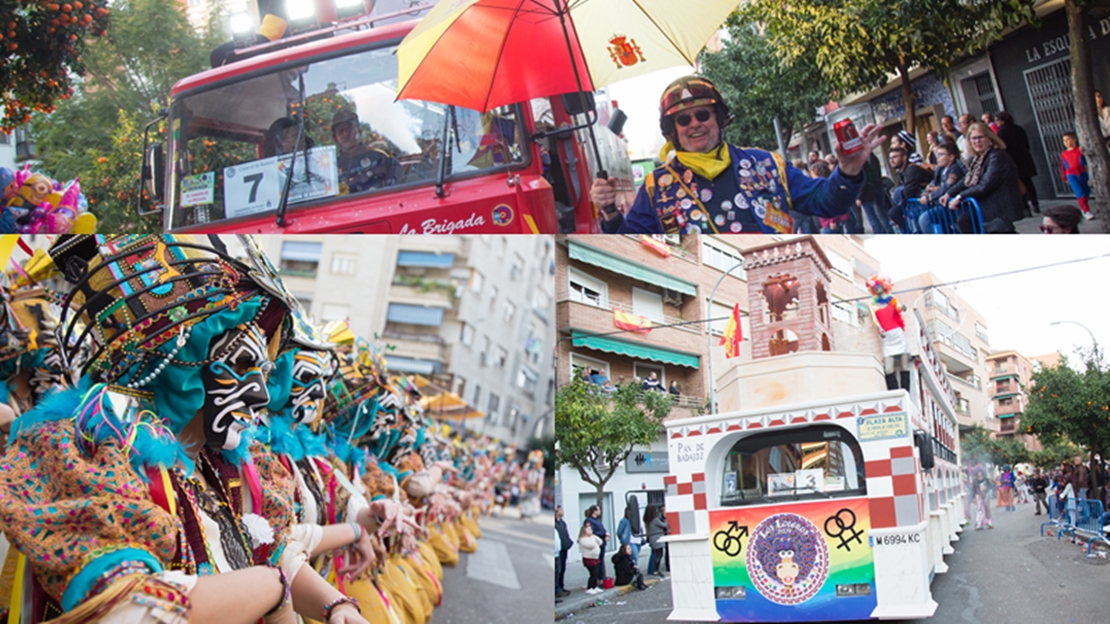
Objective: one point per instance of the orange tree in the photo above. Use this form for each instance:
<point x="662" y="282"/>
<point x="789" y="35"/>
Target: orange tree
<point x="42" y="43"/>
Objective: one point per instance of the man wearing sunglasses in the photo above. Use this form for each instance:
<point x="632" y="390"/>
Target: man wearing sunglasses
<point x="712" y="187"/>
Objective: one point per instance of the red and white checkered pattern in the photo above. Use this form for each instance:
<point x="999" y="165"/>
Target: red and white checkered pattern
<point x="892" y="486"/>
<point x="684" y="500"/>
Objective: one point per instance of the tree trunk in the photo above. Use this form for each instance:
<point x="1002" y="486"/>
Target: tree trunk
<point x="1086" y="118"/>
<point x="908" y="98"/>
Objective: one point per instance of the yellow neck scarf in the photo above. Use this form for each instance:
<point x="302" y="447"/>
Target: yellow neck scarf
<point x="708" y="166"/>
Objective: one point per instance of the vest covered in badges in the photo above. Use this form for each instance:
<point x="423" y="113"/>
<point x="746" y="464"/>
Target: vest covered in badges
<point x="750" y="196"/>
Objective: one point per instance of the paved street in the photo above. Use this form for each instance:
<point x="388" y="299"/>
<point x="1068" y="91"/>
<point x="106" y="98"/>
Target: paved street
<point x="508" y="580"/>
<point x="1000" y="576"/>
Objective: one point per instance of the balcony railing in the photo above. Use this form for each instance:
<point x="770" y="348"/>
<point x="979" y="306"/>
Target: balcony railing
<point x="693" y="328"/>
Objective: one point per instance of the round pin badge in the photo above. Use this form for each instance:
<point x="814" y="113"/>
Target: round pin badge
<point x="760" y="210"/>
<point x="686" y="203"/>
<point x="665" y="179"/>
<point x="745" y="163"/>
<point x="735" y="227"/>
<point x="741" y="201"/>
<point x="680" y="193"/>
<point x="726" y="205"/>
<point x="719" y="220"/>
<point x="706" y="195"/>
<point x="747" y="173"/>
<point x="696" y="215"/>
<point x="688" y="176"/>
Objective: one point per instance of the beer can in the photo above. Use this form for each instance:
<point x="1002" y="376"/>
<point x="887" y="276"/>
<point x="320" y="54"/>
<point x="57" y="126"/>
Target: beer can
<point x="847" y="136"/>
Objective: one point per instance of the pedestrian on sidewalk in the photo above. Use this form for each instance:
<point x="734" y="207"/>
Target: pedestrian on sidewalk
<point x="593" y="518"/>
<point x="657" y="527"/>
<point x="624" y="567"/>
<point x="590" y="545"/>
<point x="1067" y="499"/>
<point x="563" y="544"/>
<point x="1040" y="484"/>
<point x="624" y="533"/>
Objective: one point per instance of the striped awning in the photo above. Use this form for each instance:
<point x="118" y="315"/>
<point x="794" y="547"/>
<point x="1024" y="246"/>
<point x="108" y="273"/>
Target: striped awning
<point x="638" y="351"/>
<point x="425" y="259"/>
<point x="414" y="315"/>
<point x="400" y="364"/>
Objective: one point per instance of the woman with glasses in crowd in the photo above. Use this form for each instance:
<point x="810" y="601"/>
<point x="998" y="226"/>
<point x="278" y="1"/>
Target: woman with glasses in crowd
<point x="992" y="180"/>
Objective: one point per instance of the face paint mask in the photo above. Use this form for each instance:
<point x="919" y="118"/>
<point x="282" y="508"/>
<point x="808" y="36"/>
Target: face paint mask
<point x="308" y="390"/>
<point x="231" y="397"/>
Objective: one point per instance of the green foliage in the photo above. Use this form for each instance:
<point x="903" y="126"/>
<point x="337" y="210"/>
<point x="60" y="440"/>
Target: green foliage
<point x="109" y="179"/>
<point x="857" y="44"/>
<point x="1066" y="405"/>
<point x="128" y="75"/>
<point x="1050" y="457"/>
<point x="42" y="42"/>
<point x="758" y="85"/>
<point x="979" y="447"/>
<point x="595" y="431"/>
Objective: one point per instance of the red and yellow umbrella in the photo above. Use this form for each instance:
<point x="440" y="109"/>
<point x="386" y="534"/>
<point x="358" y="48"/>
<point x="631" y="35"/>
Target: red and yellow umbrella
<point x="481" y="54"/>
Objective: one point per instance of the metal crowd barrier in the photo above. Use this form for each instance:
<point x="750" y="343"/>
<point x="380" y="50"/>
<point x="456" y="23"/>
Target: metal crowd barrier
<point x="940" y="220"/>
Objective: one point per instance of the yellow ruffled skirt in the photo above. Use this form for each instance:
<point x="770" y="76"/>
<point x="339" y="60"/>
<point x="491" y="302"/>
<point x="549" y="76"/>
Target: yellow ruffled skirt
<point x="447" y="553"/>
<point x="401" y="592"/>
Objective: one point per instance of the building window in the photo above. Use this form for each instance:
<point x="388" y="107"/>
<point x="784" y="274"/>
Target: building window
<point x="5" y="139"/>
<point x="581" y="365"/>
<point x="1005" y="402"/>
<point x="300" y="258"/>
<point x="527" y="380"/>
<point x="334" y="312"/>
<point x="841" y="264"/>
<point x="343" y="264"/>
<point x="460" y="386"/>
<point x="476" y="281"/>
<point x="647" y="304"/>
<point x="643" y="370"/>
<point x="541" y="305"/>
<point x="477" y="394"/>
<point x="720" y="314"/>
<point x="467" y="337"/>
<point x="494" y="291"/>
<point x="587" y="290"/>
<point x="981" y="333"/>
<point x="533" y="345"/>
<point x="844" y="312"/>
<point x="518" y="267"/>
<point x="502" y="355"/>
<point x="510" y="310"/>
<point x="494" y="405"/>
<point x="485" y="350"/>
<point x="722" y="260"/>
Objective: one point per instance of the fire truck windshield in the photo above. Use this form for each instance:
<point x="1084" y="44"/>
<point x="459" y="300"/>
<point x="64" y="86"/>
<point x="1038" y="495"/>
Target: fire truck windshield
<point x="231" y="145"/>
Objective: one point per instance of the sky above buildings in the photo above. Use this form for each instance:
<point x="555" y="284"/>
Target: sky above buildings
<point x="1019" y="307"/>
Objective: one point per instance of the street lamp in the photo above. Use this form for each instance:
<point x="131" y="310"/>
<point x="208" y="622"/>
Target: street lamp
<point x="1092" y="334"/>
<point x="709" y="341"/>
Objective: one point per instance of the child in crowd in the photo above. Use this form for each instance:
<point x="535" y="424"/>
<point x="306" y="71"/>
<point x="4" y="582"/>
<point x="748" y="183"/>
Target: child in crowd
<point x="1073" y="165"/>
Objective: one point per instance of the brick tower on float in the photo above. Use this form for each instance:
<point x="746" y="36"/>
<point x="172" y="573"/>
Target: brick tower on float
<point x="788" y="286"/>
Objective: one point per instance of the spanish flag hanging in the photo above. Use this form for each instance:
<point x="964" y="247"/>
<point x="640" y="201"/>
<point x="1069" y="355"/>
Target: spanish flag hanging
<point x="631" y="322"/>
<point x="734" y="334"/>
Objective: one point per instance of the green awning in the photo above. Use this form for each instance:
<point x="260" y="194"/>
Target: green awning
<point x="634" y="350"/>
<point x="609" y="262"/>
<point x="1003" y="376"/>
<point x="1005" y="396"/>
<point x="1010" y="415"/>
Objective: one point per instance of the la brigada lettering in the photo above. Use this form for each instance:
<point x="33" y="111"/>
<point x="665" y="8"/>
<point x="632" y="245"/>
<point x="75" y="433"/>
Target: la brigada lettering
<point x="445" y="226"/>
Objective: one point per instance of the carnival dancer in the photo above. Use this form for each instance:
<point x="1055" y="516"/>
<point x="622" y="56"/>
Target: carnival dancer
<point x="981" y="487"/>
<point x="886" y="312"/>
<point x="332" y="512"/>
<point x="129" y="493"/>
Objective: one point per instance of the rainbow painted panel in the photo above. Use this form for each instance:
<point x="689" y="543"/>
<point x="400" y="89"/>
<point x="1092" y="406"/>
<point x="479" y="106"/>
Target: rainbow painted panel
<point x="784" y="562"/>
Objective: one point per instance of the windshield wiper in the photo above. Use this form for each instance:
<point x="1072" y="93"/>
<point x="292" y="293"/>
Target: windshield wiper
<point x="293" y="161"/>
<point x="449" y="122"/>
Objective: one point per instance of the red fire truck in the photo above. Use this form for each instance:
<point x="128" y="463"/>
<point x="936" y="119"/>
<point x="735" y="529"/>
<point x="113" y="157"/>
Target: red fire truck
<point x="304" y="134"/>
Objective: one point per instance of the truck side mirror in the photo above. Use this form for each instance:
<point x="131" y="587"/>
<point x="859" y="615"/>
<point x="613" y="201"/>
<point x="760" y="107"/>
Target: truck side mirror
<point x="572" y="102"/>
<point x="924" y="443"/>
<point x="154" y="171"/>
<point x="616" y="121"/>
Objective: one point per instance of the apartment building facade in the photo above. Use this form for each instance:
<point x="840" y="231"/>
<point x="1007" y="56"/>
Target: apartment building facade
<point x="1010" y="374"/>
<point x="962" y="341"/>
<point x="471" y="314"/>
